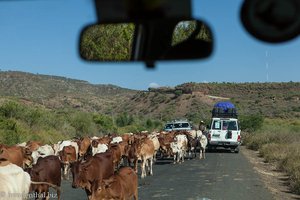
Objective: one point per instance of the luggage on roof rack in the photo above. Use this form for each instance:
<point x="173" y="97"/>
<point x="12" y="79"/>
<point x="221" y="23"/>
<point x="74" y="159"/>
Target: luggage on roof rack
<point x="224" y="109"/>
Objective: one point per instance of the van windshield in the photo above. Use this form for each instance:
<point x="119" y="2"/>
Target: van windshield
<point x="181" y="125"/>
<point x="169" y="126"/>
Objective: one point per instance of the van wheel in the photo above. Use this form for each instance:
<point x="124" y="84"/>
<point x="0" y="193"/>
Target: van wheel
<point x="237" y="150"/>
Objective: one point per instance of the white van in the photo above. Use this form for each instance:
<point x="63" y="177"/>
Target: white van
<point x="224" y="132"/>
<point x="178" y="125"/>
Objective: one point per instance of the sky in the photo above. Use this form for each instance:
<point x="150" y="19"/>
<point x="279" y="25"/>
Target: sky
<point x="41" y="37"/>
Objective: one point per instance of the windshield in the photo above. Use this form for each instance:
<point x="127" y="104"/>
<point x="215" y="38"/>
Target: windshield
<point x="50" y="97"/>
<point x="181" y="125"/>
<point x="169" y="126"/>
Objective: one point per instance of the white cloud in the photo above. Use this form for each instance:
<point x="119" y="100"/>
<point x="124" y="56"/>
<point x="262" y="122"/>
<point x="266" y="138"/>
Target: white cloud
<point x="154" y="85"/>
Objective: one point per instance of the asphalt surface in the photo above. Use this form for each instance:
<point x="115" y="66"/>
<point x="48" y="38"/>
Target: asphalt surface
<point x="222" y="175"/>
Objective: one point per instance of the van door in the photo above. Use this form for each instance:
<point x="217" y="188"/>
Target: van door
<point x="230" y="131"/>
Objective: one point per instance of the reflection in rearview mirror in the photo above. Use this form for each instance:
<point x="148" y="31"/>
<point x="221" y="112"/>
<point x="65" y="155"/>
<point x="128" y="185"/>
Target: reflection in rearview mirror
<point x="143" y="42"/>
<point x="107" y="42"/>
<point x="185" y="29"/>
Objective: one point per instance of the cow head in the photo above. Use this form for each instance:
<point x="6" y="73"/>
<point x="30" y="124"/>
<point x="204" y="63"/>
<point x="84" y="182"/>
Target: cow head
<point x="80" y="176"/>
<point x="83" y="145"/>
<point x="103" y="189"/>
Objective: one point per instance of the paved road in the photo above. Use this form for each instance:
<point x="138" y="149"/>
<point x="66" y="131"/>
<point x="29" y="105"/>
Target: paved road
<point x="222" y="175"/>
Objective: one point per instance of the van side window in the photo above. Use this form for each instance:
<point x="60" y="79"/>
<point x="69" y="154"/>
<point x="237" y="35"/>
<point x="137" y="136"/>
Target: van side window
<point x="217" y="125"/>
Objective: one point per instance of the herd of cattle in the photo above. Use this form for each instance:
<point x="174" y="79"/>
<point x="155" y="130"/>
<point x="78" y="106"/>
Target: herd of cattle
<point x="105" y="167"/>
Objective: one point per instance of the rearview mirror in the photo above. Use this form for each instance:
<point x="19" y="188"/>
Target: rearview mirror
<point x="155" y="40"/>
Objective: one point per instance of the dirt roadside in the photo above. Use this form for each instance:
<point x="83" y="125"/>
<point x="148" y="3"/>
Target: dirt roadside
<point x="275" y="181"/>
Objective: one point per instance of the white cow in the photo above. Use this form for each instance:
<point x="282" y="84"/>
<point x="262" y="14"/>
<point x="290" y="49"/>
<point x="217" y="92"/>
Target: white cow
<point x="42" y="151"/>
<point x="195" y="133"/>
<point x="14" y="182"/>
<point x="202" y="143"/>
<point x="101" y="148"/>
<point x="61" y="144"/>
<point x="179" y="147"/>
<point x="116" y="140"/>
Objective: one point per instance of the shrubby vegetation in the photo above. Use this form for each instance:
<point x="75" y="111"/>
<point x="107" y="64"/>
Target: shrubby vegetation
<point x="251" y="123"/>
<point x="19" y="123"/>
<point x="278" y="141"/>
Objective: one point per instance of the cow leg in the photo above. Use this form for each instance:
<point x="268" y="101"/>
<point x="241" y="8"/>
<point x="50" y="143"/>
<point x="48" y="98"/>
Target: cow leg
<point x="66" y="171"/>
<point x="58" y="194"/>
<point x="175" y="158"/>
<point x="203" y="153"/>
<point x="136" y="165"/>
<point x="135" y="195"/>
<point x="143" y="168"/>
<point x="151" y="165"/>
<point x="154" y="156"/>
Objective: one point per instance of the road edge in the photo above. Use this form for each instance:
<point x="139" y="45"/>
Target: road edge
<point x="275" y="180"/>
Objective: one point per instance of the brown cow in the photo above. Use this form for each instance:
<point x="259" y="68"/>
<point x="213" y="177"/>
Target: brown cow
<point x="165" y="141"/>
<point x="84" y="144"/>
<point x="145" y="153"/>
<point x="47" y="169"/>
<point x="67" y="156"/>
<point x="115" y="149"/>
<point x="95" y="168"/>
<point x="123" y="186"/>
<point x="16" y="155"/>
<point x="142" y="149"/>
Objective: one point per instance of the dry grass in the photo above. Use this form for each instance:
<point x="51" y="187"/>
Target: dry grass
<point x="279" y="142"/>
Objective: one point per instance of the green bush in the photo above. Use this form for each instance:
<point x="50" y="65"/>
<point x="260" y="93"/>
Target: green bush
<point x="251" y="123"/>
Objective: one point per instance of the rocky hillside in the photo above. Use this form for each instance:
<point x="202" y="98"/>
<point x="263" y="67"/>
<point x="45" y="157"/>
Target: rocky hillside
<point x="60" y="92"/>
<point x="189" y="100"/>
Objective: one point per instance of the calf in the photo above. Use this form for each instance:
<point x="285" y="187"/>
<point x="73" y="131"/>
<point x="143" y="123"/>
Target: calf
<point x="47" y="169"/>
<point x="123" y="186"/>
<point x="95" y="168"/>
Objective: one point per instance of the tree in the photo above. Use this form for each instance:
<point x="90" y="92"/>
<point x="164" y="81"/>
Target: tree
<point x="105" y="122"/>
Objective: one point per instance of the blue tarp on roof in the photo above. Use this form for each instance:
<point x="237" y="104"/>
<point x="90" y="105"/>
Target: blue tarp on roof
<point x="225" y="105"/>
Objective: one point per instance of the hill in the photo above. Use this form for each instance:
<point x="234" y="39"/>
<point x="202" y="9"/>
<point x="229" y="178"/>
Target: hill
<point x="189" y="100"/>
<point x="59" y="92"/>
